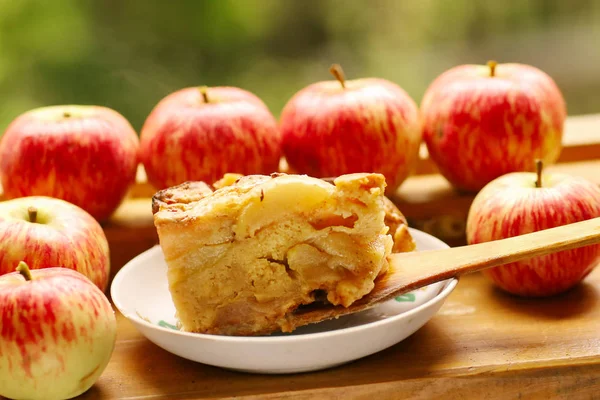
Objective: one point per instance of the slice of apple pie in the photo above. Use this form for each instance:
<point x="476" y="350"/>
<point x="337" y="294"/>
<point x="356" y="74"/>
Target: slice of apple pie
<point x="246" y="253"/>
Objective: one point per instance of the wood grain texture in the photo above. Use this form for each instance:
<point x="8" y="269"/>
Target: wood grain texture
<point x="482" y="343"/>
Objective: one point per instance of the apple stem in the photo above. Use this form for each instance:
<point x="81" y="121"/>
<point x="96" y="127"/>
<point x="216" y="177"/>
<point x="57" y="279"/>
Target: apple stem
<point x="204" y="93"/>
<point x="539" y="165"/>
<point x="492" y="64"/>
<point x="67" y="114"/>
<point x="32" y="211"/>
<point x="23" y="269"/>
<point x="337" y="71"/>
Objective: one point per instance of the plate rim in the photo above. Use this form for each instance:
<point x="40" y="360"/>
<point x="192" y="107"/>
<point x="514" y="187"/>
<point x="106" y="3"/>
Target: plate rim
<point x="448" y="287"/>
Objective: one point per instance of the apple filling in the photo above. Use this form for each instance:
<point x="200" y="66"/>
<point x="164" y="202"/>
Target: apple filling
<point x="242" y="258"/>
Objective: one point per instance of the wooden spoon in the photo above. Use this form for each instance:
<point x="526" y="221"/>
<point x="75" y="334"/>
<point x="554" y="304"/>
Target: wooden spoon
<point x="409" y="271"/>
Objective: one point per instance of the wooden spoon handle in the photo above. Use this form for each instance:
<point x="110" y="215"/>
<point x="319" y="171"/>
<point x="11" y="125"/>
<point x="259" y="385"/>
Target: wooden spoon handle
<point x="417" y="269"/>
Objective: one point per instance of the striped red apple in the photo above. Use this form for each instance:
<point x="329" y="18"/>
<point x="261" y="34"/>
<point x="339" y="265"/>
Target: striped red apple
<point x="86" y="155"/>
<point x="48" y="232"/>
<point x="336" y="127"/>
<point x="523" y="202"/>
<point x="57" y="333"/>
<point x="201" y="133"/>
<point x="481" y="122"/>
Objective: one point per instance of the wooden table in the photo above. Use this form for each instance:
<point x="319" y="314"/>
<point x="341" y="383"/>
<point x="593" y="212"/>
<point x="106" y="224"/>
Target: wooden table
<point x="482" y="344"/>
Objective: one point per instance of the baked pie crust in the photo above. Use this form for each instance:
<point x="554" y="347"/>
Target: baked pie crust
<point x="245" y="253"/>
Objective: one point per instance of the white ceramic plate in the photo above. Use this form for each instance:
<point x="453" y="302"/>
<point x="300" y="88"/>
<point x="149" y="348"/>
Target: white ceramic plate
<point x="140" y="292"/>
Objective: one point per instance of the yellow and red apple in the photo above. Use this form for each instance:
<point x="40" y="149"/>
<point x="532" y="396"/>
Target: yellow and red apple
<point x="523" y="202"/>
<point x="201" y="133"/>
<point x="86" y="155"/>
<point x="481" y="122"/>
<point x="336" y="127"/>
<point x="57" y="335"/>
<point x="48" y="232"/>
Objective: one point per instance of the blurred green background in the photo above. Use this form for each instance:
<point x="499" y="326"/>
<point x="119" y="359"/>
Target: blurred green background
<point x="127" y="55"/>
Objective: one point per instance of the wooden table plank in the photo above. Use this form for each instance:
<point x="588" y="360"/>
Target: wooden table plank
<point x="565" y="383"/>
<point x="482" y="342"/>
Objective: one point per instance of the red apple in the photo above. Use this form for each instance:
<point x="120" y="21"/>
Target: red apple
<point x="199" y="134"/>
<point x="86" y="155"/>
<point x="47" y="232"/>
<point x="57" y="334"/>
<point x="520" y="203"/>
<point x="339" y="127"/>
<point x="481" y="122"/>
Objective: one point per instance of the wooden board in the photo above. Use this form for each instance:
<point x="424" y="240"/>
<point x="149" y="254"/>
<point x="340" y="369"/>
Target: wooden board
<point x="482" y="343"/>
